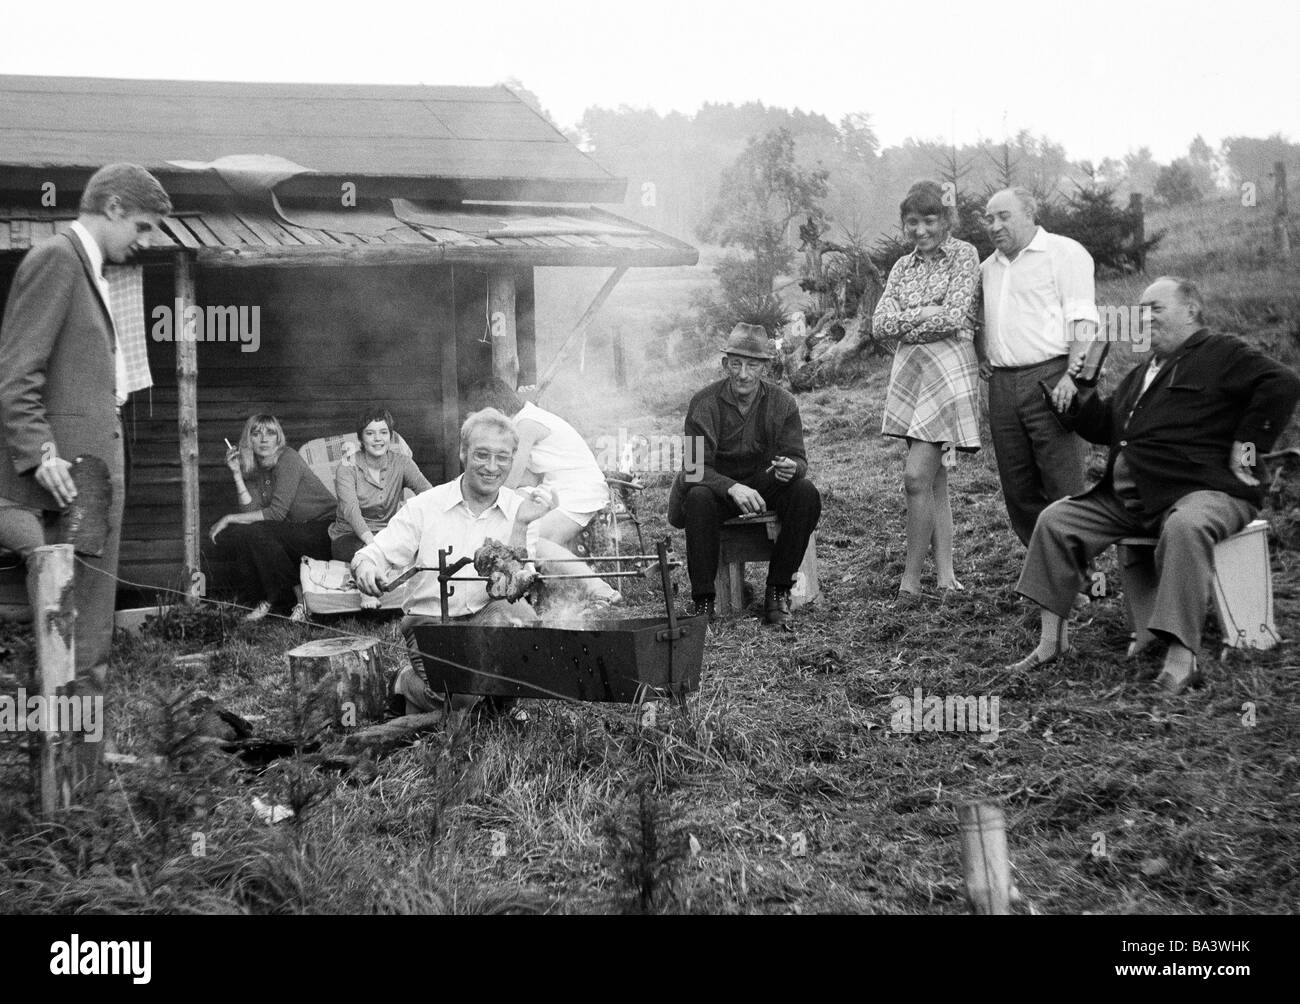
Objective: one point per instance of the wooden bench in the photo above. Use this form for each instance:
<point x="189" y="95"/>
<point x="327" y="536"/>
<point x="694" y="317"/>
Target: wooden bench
<point x="749" y="538"/>
<point x="1242" y="588"/>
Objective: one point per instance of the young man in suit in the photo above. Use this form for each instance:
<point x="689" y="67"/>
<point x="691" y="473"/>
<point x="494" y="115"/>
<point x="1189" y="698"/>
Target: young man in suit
<point x="60" y="374"/>
<point x="1184" y="434"/>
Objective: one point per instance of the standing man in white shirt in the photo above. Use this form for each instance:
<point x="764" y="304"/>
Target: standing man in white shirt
<point x="1039" y="315"/>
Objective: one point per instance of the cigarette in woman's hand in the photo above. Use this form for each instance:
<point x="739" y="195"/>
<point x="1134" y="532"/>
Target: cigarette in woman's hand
<point x="227" y="442"/>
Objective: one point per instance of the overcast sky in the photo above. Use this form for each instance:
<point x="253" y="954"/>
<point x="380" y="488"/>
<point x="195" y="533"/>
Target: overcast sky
<point x="1102" y="77"/>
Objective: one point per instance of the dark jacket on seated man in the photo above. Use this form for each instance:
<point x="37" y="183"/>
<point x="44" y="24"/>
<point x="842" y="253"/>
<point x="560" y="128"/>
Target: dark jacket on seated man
<point x="1170" y="474"/>
<point x="724" y="447"/>
<point x="744" y="452"/>
<point x="1217" y="391"/>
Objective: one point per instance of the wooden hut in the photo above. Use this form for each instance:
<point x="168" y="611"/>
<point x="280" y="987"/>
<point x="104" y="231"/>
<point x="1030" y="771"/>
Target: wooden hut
<point x="387" y="235"/>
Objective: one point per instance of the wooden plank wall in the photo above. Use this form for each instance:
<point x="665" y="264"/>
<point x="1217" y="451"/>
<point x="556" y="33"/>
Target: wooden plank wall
<point x="331" y="342"/>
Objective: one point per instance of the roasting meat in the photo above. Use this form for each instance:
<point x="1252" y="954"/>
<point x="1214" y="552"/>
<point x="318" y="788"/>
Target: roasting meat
<point x="507" y="570"/>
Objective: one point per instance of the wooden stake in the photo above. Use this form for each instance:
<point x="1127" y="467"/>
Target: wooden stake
<point x="1281" y="233"/>
<point x="984" y="862"/>
<point x="187" y="426"/>
<point x="501" y="322"/>
<point x="355" y="670"/>
<point x="51" y="575"/>
<point x="1139" y="230"/>
<point x="620" y="359"/>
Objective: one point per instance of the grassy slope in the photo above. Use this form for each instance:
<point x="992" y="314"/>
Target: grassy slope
<point x="788" y="736"/>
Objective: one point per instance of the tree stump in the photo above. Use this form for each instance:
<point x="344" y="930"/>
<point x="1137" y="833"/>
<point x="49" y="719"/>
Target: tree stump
<point x="348" y="675"/>
<point x="51" y="575"/>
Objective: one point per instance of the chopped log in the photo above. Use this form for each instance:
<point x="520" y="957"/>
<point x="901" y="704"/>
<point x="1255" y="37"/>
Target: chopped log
<point x="393" y="734"/>
<point x="51" y="575"/>
<point x="350" y="669"/>
<point x="984" y="862"/>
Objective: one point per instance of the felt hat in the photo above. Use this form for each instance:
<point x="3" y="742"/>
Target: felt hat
<point x="749" y="340"/>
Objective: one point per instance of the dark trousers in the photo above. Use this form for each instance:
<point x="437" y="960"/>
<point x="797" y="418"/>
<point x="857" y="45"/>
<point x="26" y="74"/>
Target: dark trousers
<point x="1074" y="531"/>
<point x="1038" y="461"/>
<point x="797" y="504"/>
<point x="22" y="529"/>
<point x="266" y="556"/>
<point x="345" y="548"/>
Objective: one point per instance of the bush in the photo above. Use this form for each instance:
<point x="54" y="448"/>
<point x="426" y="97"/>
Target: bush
<point x="1176" y="185"/>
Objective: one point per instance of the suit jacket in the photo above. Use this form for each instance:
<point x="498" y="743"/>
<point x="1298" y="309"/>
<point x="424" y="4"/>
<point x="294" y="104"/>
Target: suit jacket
<point x="1214" y="391"/>
<point x="57" y="376"/>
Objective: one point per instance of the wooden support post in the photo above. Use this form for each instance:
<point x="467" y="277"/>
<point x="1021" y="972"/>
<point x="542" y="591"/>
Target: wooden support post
<point x="352" y="669"/>
<point x="579" y="329"/>
<point x="1281" y="233"/>
<point x="1139" y="229"/>
<point x="51" y="572"/>
<point x="187" y="425"/>
<point x="984" y="862"/>
<point x="501" y="322"/>
<point x="449" y="386"/>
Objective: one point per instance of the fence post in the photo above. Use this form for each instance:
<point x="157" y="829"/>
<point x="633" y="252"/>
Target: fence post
<point x="620" y="361"/>
<point x="1139" y="230"/>
<point x="1281" y="235"/>
<point x="51" y="576"/>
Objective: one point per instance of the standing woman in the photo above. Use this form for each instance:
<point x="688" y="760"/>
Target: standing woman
<point x="930" y="306"/>
<point x="284" y="516"/>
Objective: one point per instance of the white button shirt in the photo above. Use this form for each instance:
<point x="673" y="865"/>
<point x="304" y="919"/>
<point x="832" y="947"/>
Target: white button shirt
<point x="96" y="257"/>
<point x="440" y="518"/>
<point x="1030" y="300"/>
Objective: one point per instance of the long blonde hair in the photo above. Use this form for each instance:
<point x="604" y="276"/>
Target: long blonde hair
<point x="247" y="461"/>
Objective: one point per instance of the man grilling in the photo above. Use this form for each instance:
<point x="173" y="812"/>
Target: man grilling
<point x="462" y="514"/>
<point x="747" y="439"/>
<point x="1185" y="432"/>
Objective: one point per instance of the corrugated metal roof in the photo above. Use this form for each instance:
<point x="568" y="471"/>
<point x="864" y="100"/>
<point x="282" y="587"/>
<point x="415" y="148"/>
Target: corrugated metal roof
<point x="530" y="235"/>
<point x="483" y="138"/>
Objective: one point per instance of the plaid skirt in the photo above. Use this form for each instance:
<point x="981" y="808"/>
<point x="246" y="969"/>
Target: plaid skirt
<point x="934" y="394"/>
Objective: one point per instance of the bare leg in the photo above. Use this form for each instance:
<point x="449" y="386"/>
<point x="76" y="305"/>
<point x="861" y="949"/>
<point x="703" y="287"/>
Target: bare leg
<point x="943" y="532"/>
<point x="1180" y="664"/>
<point x="1053" y="641"/>
<point x="547" y="549"/>
<point x="923" y="463"/>
<point x="558" y="528"/>
<point x="1054" y="635"/>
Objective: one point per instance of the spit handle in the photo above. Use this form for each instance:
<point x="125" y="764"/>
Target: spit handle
<point x="662" y="550"/>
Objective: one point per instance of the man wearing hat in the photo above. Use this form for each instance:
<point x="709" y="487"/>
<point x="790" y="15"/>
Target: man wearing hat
<point x="746" y="438"/>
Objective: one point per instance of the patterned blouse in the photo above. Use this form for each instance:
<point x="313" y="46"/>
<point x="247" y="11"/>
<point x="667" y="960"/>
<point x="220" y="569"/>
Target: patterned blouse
<point x="949" y="280"/>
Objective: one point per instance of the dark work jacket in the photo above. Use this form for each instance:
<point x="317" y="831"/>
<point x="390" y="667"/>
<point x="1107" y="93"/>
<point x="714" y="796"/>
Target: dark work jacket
<point x="1213" y="391"/>
<point x="723" y="447"/>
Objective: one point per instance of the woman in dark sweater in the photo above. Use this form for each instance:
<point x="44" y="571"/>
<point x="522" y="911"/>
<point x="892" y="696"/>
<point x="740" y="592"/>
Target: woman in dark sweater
<point x="284" y="515"/>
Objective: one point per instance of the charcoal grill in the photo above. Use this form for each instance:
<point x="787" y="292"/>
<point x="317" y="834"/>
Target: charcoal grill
<point x="624" y="660"/>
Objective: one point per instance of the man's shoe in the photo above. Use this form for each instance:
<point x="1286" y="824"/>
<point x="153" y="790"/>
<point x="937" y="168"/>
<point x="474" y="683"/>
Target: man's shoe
<point x="705" y="605"/>
<point x="776" y="604"/>
<point x="1173" y="681"/>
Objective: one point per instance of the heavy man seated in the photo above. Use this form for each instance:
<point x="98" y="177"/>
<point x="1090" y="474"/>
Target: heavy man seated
<point x="462" y="514"/>
<point x="1184" y="433"/>
<point x="746" y="439"/>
